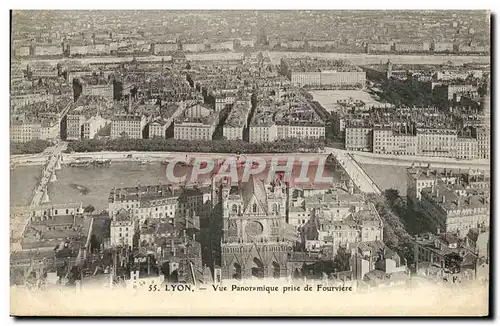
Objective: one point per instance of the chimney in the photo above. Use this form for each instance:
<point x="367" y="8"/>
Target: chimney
<point x="444" y="199"/>
<point x="129" y="102"/>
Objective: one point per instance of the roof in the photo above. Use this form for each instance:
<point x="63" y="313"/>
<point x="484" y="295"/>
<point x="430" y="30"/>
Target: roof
<point x="456" y="197"/>
<point x="377" y="277"/>
<point x="254" y="188"/>
<point x="122" y="215"/>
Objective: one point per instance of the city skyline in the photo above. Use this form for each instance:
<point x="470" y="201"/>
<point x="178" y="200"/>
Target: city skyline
<point x="191" y="151"/>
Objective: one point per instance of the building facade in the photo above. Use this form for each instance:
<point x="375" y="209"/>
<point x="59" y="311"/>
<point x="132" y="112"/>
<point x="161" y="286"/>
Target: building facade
<point x="92" y="126"/>
<point x="122" y="230"/>
<point x="74" y="126"/>
<point x="358" y="139"/>
<point x="256" y="238"/>
<point x="131" y="126"/>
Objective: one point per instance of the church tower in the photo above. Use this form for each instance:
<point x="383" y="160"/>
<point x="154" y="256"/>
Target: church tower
<point x="388" y="69"/>
<point x="255" y="238"/>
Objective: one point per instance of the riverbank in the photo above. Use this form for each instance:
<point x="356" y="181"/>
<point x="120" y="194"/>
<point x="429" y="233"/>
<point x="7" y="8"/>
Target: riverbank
<point x="160" y="156"/>
<point x="361" y="157"/>
<point x="437" y="162"/>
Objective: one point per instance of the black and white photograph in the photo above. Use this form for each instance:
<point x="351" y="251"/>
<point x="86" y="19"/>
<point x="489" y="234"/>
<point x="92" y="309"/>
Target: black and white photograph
<point x="250" y="162"/>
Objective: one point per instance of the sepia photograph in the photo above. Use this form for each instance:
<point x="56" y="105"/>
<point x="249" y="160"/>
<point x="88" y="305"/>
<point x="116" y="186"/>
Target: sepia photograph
<point x="250" y="162"/>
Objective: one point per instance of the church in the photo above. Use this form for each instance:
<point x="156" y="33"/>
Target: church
<point x="256" y="237"/>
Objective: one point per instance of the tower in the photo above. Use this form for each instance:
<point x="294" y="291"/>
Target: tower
<point x="388" y="69"/>
<point x="255" y="236"/>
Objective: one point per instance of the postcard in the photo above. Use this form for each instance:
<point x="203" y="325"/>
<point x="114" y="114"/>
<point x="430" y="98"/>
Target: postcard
<point x="250" y="163"/>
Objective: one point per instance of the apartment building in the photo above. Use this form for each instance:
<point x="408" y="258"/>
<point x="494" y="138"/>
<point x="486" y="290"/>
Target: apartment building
<point x="128" y="125"/>
<point x="453" y="209"/>
<point x="483" y="135"/>
<point x="222" y="46"/>
<point x="437" y="142"/>
<point x="452" y="75"/>
<point x="412" y="47"/>
<point x="74" y="126"/>
<point x="21" y="131"/>
<point x="236" y="121"/>
<point x="467" y="148"/>
<point x="389" y="141"/>
<point x="306" y="78"/>
<point x="50" y="129"/>
<point x="158" y="128"/>
<point x="452" y="201"/>
<point x="339" y="219"/>
<point x="105" y="90"/>
<point x="378" y="47"/>
<point x="92" y="49"/>
<point x="420" y="177"/>
<point x="322" y="72"/>
<point x="92" y="126"/>
<point x="122" y="230"/>
<point x="48" y="50"/>
<point x="359" y="139"/>
<point x="175" y="205"/>
<point x="442" y="47"/>
<point x="192" y="130"/>
<point x="262" y="127"/>
<point x="301" y="131"/>
<point x="193" y="47"/>
<point x="164" y="47"/>
<point x="343" y="78"/>
<point x="463" y="48"/>
<point x="22" y="51"/>
<point x="197" y="122"/>
<point x="454" y="91"/>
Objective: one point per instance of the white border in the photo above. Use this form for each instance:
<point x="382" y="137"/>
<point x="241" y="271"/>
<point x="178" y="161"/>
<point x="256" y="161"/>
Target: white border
<point x="190" y="4"/>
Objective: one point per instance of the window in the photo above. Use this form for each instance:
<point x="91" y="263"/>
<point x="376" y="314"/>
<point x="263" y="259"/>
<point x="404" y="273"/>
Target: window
<point x="254" y="208"/>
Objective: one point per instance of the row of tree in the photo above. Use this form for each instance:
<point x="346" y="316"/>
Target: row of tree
<point x="30" y="147"/>
<point x="212" y="146"/>
<point x="396" y="236"/>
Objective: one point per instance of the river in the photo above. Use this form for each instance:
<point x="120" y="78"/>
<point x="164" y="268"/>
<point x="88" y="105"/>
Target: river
<point x="23" y="180"/>
<point x="355" y="58"/>
<point x="91" y="185"/>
